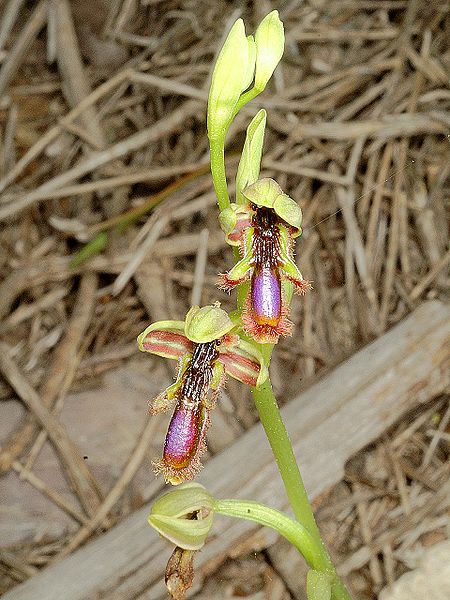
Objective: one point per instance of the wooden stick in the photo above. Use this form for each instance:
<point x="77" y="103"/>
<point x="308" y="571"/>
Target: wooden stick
<point x="134" y="462"/>
<point x="65" y="354"/>
<point x="76" y="469"/>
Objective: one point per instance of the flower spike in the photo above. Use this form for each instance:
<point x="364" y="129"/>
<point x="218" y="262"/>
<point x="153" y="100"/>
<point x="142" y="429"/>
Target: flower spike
<point x="265" y="229"/>
<point x="207" y="351"/>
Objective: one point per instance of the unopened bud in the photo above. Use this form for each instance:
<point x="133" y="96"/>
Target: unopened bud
<point x="184" y="516"/>
<point x="229" y="79"/>
<point x="269" y="38"/>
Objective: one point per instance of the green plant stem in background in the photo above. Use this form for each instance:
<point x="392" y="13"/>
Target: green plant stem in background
<point x="269" y="414"/>
<point x="217" y="157"/>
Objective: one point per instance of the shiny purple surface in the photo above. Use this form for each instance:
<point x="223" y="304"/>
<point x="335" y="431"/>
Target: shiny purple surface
<point x="266" y="296"/>
<point x="183" y="436"/>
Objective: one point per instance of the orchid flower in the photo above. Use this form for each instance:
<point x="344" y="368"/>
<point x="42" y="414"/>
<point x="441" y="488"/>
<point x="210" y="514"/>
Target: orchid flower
<point x="264" y="228"/>
<point x="207" y="351"/>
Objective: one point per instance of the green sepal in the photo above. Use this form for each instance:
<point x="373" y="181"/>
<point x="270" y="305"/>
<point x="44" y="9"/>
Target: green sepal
<point x="288" y="210"/>
<point x="266" y="192"/>
<point x="187" y="534"/>
<point x="263" y="192"/>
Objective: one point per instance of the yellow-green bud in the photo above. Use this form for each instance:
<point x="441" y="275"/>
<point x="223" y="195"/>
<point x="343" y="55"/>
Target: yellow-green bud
<point x="229" y="79"/>
<point x="227" y="219"/>
<point x="269" y="38"/>
<point x="184" y="515"/>
<point x="207" y="323"/>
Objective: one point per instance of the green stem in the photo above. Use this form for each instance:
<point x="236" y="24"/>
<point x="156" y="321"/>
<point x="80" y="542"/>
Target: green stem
<point x="293" y="531"/>
<point x="217" y="157"/>
<point x="277" y="435"/>
<point x="245" y="99"/>
<point x="279" y="441"/>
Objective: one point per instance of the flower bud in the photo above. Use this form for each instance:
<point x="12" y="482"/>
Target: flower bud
<point x="184" y="515"/>
<point x="207" y="323"/>
<point x="227" y="219"/>
<point x="230" y="76"/>
<point x="269" y="38"/>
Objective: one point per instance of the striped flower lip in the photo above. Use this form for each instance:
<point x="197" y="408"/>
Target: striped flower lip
<point x="207" y="351"/>
<point x="265" y="229"/>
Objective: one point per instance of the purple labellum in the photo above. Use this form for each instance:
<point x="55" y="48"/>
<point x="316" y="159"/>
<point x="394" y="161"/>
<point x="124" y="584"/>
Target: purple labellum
<point x="183" y="435"/>
<point x="266" y="296"/>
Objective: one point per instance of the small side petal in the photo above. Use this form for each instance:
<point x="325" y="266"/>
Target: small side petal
<point x="244" y="363"/>
<point x="165" y="338"/>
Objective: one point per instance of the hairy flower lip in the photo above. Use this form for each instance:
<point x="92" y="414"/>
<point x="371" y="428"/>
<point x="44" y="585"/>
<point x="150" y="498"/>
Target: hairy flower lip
<point x="265" y="229"/>
<point x="207" y="349"/>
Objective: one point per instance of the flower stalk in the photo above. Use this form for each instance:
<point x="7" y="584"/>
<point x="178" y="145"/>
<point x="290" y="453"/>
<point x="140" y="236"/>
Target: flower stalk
<point x="292" y="530"/>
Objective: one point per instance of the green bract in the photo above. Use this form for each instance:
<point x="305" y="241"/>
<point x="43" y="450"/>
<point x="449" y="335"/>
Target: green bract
<point x="184" y="516"/>
<point x="207" y="323"/>
<point x="249" y="165"/>
<point x="267" y="192"/>
<point x="230" y="76"/>
<point x="269" y="38"/>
